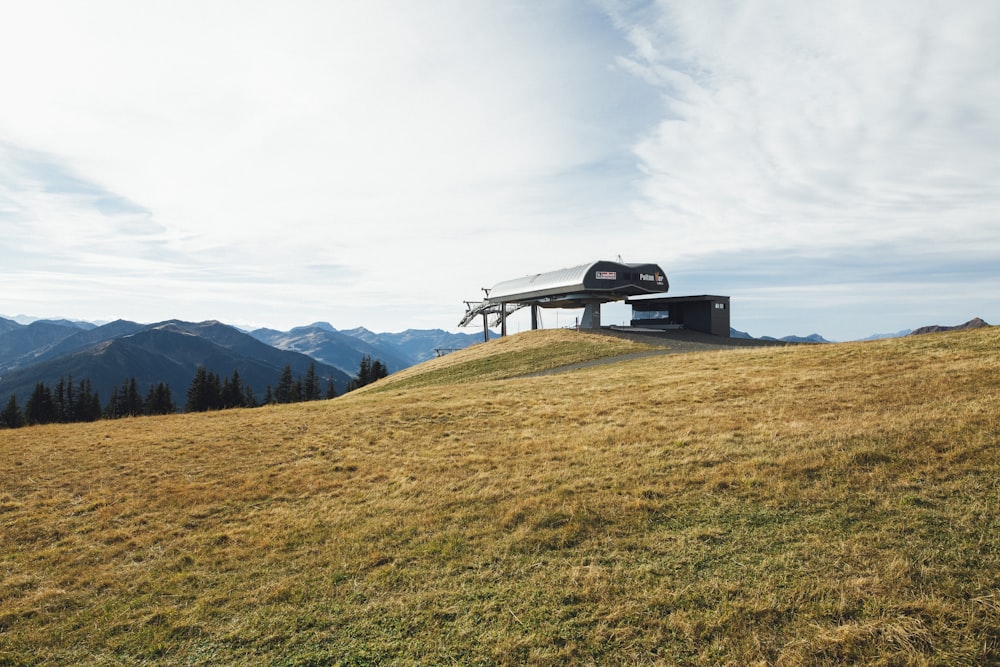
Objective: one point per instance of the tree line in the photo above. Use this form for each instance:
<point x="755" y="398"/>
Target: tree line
<point x="71" y="401"/>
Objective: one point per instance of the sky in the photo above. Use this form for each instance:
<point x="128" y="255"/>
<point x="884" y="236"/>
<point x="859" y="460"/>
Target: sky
<point x="833" y="167"/>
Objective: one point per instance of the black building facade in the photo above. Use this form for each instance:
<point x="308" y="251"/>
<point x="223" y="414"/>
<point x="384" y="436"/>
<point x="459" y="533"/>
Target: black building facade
<point x="705" y="313"/>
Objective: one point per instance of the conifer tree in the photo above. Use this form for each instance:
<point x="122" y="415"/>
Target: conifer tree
<point x="159" y="400"/>
<point x="62" y="409"/>
<point x="286" y="387"/>
<point x="226" y="393"/>
<point x="11" y="417"/>
<point x="369" y="371"/>
<point x="74" y="403"/>
<point x="40" y="408"/>
<point x="133" y="401"/>
<point x="85" y="405"/>
<point x="364" y="373"/>
<point x="69" y="408"/>
<point x="197" y="393"/>
<point x="94" y="410"/>
<point x="125" y="401"/>
<point x="331" y="391"/>
<point x="111" y="409"/>
<point x="232" y="391"/>
<point x="213" y="391"/>
<point x="311" y="389"/>
<point x="249" y="400"/>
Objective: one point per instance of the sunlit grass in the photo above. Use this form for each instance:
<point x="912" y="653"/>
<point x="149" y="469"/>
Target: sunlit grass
<point x="511" y="357"/>
<point x="808" y="505"/>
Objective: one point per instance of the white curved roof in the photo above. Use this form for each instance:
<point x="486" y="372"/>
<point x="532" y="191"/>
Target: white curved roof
<point x="602" y="280"/>
<point x="557" y="281"/>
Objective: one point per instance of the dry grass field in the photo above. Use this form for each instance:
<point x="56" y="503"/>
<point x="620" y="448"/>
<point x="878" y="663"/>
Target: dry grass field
<point x="808" y="505"/>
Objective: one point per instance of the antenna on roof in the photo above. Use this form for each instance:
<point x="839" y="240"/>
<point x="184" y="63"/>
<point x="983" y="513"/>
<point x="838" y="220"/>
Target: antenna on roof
<point x="620" y="259"/>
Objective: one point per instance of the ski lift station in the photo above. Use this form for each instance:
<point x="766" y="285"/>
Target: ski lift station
<point x="587" y="286"/>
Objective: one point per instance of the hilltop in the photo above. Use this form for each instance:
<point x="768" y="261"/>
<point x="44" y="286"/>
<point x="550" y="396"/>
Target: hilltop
<point x="974" y="323"/>
<point x="809" y="504"/>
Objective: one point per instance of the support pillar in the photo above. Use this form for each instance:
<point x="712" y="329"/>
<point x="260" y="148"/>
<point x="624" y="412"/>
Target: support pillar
<point x="534" y="316"/>
<point x="591" y="316"/>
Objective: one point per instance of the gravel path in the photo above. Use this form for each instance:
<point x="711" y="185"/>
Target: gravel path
<point x="669" y="342"/>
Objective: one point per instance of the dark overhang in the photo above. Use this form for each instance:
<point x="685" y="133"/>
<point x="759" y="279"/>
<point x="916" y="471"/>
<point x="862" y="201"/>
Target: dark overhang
<point x="653" y="303"/>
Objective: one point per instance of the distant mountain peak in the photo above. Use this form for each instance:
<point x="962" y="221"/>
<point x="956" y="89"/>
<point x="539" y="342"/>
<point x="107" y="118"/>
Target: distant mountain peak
<point x="882" y="336"/>
<point x="311" y="329"/>
<point x="974" y="323"/>
<point x="344" y="348"/>
<point x="811" y="338"/>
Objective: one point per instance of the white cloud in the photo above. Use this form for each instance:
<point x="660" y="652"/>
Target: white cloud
<point x="221" y="116"/>
<point x="804" y="125"/>
<point x="359" y="134"/>
<point x="383" y="159"/>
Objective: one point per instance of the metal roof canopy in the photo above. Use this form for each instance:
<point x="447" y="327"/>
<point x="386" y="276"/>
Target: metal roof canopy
<point x="586" y="286"/>
<point x="597" y="282"/>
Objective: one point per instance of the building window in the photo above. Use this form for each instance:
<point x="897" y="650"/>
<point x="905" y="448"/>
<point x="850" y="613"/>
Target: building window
<point x="720" y="306"/>
<point x="650" y="314"/>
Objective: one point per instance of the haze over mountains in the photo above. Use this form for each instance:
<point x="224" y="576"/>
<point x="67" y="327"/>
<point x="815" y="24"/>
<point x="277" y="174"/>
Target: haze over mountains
<point x="344" y="349"/>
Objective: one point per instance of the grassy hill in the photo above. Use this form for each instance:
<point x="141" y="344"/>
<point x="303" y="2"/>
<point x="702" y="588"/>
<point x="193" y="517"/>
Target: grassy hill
<point x="784" y="506"/>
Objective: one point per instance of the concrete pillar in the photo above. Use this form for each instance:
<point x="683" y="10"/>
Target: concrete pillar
<point x="591" y="316"/>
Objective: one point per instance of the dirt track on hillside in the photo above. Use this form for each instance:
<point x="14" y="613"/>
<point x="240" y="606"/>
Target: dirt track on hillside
<point x="669" y="342"/>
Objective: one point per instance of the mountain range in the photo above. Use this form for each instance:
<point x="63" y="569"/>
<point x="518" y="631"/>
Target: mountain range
<point x="974" y="323"/>
<point x="171" y="352"/>
<point x="812" y="338"/>
<point x="168" y="352"/>
<point x="344" y="349"/>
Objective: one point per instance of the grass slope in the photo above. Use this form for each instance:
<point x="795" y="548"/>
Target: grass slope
<point x="808" y="505"/>
<point x="510" y="357"/>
